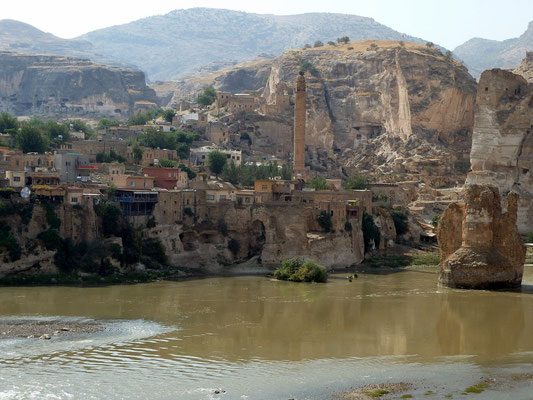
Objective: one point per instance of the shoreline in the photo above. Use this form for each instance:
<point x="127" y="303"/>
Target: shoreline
<point x="171" y="274"/>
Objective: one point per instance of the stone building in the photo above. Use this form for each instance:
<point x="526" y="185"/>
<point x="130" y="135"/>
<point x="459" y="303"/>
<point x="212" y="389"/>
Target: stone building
<point x="133" y="182"/>
<point x="167" y="178"/>
<point x="151" y="156"/>
<point x="199" y="156"/>
<point x="72" y="165"/>
<point x="91" y="148"/>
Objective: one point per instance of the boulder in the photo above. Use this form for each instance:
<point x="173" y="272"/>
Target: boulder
<point x="481" y="247"/>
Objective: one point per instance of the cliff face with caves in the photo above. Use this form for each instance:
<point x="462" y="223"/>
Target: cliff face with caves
<point x="382" y="107"/>
<point x="60" y="86"/>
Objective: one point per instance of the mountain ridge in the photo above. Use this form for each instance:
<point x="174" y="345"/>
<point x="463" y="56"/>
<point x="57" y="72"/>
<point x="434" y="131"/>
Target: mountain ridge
<point x="481" y="54"/>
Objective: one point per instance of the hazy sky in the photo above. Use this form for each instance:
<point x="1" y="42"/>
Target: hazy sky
<point x="447" y="22"/>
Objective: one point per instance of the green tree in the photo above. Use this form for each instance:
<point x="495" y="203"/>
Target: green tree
<point x="166" y="163"/>
<point x="400" y="221"/>
<point x="430" y="44"/>
<point x="344" y="39"/>
<point x="370" y="231"/>
<point x="105" y="123"/>
<point x="318" y="43"/>
<point x="286" y="172"/>
<point x="137" y="153"/>
<point x="216" y="161"/>
<point x="207" y="97"/>
<point x="190" y="173"/>
<point x="111" y="217"/>
<point x="53" y="130"/>
<point x="435" y="220"/>
<point x="357" y="182"/>
<point x="318" y="183"/>
<point x="80" y="126"/>
<point x="8" y="123"/>
<point x="324" y="220"/>
<point x="169" y="114"/>
<point x="230" y="173"/>
<point x="31" y="139"/>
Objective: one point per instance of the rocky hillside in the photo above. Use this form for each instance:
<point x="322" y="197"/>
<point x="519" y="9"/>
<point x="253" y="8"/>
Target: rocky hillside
<point x="247" y="76"/>
<point x="481" y="54"/>
<point x="64" y="86"/>
<point x="182" y="41"/>
<point x="502" y="143"/>
<point x="388" y="108"/>
<point x="19" y="37"/>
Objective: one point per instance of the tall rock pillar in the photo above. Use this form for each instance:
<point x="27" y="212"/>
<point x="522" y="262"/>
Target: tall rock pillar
<point x="299" y="127"/>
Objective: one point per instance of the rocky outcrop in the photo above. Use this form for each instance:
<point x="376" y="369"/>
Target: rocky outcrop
<point x="480" y="246"/>
<point x="49" y="86"/>
<point x="502" y="142"/>
<point x="268" y="234"/>
<point x="376" y="106"/>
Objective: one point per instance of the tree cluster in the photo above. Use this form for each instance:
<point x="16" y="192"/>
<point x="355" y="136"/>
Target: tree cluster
<point x="157" y="139"/>
<point x="246" y="174"/>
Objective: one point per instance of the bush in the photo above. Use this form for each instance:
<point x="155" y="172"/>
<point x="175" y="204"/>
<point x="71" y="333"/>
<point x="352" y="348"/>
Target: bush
<point x="529" y="237"/>
<point x="51" y="239"/>
<point x="435" y="221"/>
<point x="234" y="246"/>
<point x="154" y="249"/>
<point x="348" y="226"/>
<point x="324" y="220"/>
<point x="400" y="222"/>
<point x="319" y="183"/>
<point x="151" y="222"/>
<point x="9" y="242"/>
<point x="318" y="43"/>
<point x="370" y="231"/>
<point x="188" y="211"/>
<point x="357" y="182"/>
<point x="111" y="218"/>
<point x="51" y="217"/>
<point x="308" y="67"/>
<point x="300" y="270"/>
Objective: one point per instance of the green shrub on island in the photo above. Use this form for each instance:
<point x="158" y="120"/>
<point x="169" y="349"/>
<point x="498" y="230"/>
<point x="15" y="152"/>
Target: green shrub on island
<point x="301" y="270"/>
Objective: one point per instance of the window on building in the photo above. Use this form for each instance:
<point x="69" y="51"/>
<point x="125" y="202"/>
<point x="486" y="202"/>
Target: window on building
<point x="264" y="187"/>
<point x="170" y="174"/>
<point x="209" y="197"/>
<point x="16" y="178"/>
<point x="332" y="213"/>
<point x="222" y="197"/>
<point x="247" y="200"/>
<point x="132" y="183"/>
<point x="74" y="199"/>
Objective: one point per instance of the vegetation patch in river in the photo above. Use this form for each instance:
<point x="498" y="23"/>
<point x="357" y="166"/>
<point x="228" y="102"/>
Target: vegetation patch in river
<point x="373" y="391"/>
<point x="301" y="270"/>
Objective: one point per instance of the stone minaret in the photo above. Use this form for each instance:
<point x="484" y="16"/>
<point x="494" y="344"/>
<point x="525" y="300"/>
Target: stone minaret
<point x="299" y="127"/>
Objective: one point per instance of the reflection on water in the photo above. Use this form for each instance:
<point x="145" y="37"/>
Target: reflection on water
<point x="252" y="327"/>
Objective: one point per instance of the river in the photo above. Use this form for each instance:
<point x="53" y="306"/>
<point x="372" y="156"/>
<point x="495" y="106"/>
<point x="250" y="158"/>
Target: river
<point x="257" y="338"/>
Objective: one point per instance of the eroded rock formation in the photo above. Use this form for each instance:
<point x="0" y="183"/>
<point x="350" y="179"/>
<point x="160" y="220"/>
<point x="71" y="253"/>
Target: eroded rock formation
<point x="46" y="85"/>
<point x="502" y="142"/>
<point x="480" y="246"/>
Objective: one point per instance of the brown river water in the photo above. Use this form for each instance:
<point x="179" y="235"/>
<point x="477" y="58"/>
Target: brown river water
<point x="256" y="338"/>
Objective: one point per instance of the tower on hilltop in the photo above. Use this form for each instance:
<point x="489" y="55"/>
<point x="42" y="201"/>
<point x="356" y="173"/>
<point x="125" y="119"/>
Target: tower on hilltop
<point x="299" y="127"/>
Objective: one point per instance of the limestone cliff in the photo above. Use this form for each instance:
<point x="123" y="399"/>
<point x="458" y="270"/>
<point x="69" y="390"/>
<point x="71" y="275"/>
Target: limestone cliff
<point x="502" y="143"/>
<point x="375" y="106"/>
<point x="266" y="234"/>
<point x="480" y="246"/>
<point x="45" y="85"/>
